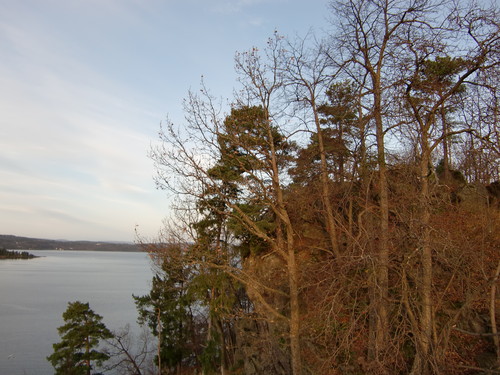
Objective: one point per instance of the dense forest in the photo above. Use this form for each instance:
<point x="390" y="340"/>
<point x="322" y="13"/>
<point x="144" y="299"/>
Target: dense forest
<point x="342" y="216"/>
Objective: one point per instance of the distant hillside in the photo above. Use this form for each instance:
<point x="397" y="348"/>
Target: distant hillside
<point x="25" y="243"/>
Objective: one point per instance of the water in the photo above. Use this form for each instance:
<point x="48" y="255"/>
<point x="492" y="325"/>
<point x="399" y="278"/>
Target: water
<point x="34" y="293"/>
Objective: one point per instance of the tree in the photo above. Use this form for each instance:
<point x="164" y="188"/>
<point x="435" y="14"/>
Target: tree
<point x="340" y="114"/>
<point x="81" y="335"/>
<point x="253" y="142"/>
<point x="306" y="72"/>
<point x="167" y="312"/>
<point x="433" y="79"/>
<point x="131" y="354"/>
<point x="369" y="38"/>
<point x="443" y="78"/>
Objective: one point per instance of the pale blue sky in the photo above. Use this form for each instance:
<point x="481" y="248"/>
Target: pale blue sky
<point x="84" y="85"/>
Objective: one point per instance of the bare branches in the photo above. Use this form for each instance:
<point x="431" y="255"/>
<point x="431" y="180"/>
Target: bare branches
<point x="129" y="354"/>
<point x="344" y="227"/>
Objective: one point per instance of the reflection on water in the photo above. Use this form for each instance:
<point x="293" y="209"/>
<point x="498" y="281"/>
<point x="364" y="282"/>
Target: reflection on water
<point x="34" y="293"/>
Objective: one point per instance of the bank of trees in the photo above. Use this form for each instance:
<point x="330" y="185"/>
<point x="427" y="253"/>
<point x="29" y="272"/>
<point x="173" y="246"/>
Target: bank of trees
<point x="342" y="215"/>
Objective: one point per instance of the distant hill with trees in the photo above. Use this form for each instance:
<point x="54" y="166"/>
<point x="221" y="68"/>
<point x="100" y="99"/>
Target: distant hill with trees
<point x="26" y="243"/>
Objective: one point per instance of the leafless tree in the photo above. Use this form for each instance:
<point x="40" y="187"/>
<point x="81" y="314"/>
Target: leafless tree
<point x="130" y="354"/>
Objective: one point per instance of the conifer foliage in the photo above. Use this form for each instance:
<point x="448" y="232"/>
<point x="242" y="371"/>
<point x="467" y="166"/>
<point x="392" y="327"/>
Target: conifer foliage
<point x="78" y="351"/>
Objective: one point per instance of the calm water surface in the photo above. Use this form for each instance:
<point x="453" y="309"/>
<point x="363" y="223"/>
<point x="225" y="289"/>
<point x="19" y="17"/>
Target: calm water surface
<point x="34" y="293"/>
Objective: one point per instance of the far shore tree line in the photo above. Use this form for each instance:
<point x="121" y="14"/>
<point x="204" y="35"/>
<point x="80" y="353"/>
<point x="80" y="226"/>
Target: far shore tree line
<point x="341" y="215"/>
<point x="11" y="254"/>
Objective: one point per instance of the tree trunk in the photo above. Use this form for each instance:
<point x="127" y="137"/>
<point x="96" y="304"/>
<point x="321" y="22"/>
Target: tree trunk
<point x="424" y="337"/>
<point x="289" y="251"/>
<point x="494" y="329"/>
<point x="325" y="189"/>
<point x="223" y="350"/>
<point x="159" y="341"/>
<point x="382" y="261"/>
<point x="446" y="152"/>
<point x="87" y="353"/>
<point x="294" y="314"/>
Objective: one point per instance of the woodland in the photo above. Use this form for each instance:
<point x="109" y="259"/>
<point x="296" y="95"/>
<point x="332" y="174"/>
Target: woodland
<point x="340" y="214"/>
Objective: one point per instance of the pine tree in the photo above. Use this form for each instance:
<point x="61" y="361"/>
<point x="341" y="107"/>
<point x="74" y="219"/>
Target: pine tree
<point x="80" y="336"/>
<point x="167" y="311"/>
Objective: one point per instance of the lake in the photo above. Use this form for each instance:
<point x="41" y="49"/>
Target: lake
<point x="34" y="293"/>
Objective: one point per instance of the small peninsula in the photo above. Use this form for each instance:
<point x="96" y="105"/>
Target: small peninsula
<point x="9" y="254"/>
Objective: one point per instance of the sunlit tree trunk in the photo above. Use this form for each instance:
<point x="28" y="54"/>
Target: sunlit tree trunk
<point x="493" y="312"/>
<point x="325" y="187"/>
<point x="421" y="364"/>
<point x="382" y="264"/>
<point x="159" y="340"/>
<point x="292" y="267"/>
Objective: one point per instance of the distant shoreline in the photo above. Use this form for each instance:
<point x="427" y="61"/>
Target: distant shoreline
<point x="12" y="242"/>
<point x="91" y="250"/>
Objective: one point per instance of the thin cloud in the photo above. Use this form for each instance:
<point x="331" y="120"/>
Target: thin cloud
<point x="63" y="217"/>
<point x="83" y="88"/>
<point x="236" y="6"/>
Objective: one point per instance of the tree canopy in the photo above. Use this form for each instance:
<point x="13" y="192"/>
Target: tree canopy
<point x="78" y="351"/>
<point x="341" y="214"/>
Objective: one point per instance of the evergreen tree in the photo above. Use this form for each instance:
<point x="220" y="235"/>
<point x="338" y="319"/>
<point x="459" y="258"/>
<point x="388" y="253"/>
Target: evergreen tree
<point x="80" y="335"/>
<point x="167" y="312"/>
<point x="341" y="125"/>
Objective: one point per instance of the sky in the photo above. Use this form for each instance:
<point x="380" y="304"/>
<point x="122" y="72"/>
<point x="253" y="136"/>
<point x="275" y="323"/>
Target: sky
<point x="84" y="86"/>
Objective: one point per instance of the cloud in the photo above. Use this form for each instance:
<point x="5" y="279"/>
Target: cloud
<point x="235" y="6"/>
<point x="256" y="21"/>
<point x="74" y="143"/>
<point x="63" y="217"/>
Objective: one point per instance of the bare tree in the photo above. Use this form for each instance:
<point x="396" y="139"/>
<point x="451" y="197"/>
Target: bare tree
<point x="131" y="354"/>
<point x="307" y="73"/>
<point x="368" y="36"/>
